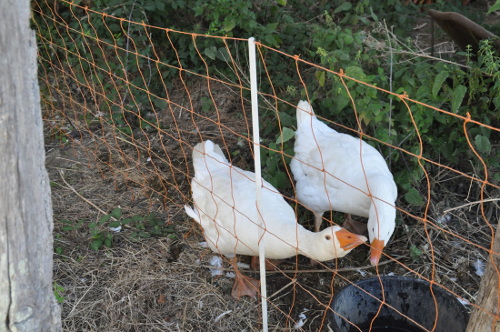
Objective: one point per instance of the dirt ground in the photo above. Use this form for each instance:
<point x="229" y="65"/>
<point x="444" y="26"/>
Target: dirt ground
<point x="155" y="274"/>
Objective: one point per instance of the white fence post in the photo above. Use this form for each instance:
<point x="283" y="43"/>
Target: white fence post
<point x="258" y="177"/>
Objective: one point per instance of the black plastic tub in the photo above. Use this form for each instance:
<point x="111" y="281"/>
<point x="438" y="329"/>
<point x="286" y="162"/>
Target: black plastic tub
<point x="354" y="309"/>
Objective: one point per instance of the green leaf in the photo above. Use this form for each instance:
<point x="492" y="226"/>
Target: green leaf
<point x="493" y="8"/>
<point x="58" y="292"/>
<point x="280" y="180"/>
<point x="321" y="76"/>
<point x="96" y="244"/>
<point x="348" y="39"/>
<point x="116" y="213"/>
<point x="223" y="54"/>
<point x="64" y="221"/>
<point x="108" y="242"/>
<point x="160" y="5"/>
<point x="413" y="197"/>
<point x="374" y="16"/>
<point x="482" y="144"/>
<point x="92" y="225"/>
<point x="343" y="7"/>
<point x="127" y="220"/>
<point x="144" y="234"/>
<point x="104" y="218"/>
<point x="211" y="52"/>
<point x="67" y="228"/>
<point x="356" y="72"/>
<point x="286" y="119"/>
<point x="286" y="135"/>
<point x="160" y="103"/>
<point x="229" y="25"/>
<point x="150" y="6"/>
<point x="138" y="218"/>
<point x="114" y="224"/>
<point x="415" y="253"/>
<point x="457" y="97"/>
<point x="438" y="82"/>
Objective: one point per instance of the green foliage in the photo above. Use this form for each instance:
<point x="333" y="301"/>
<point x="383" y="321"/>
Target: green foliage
<point x="413" y="197"/>
<point x="494" y="7"/>
<point x="444" y="85"/>
<point x="349" y="36"/>
<point x="415" y="253"/>
<point x="102" y="232"/>
<point x="58" y="292"/>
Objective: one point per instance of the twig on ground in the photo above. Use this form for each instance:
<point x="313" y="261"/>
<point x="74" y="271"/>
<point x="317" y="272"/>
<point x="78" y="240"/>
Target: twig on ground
<point x="472" y="203"/>
<point x="61" y="173"/>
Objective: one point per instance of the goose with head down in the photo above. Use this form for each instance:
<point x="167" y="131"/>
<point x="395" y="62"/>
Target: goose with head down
<point x="335" y="171"/>
<point x="224" y="201"/>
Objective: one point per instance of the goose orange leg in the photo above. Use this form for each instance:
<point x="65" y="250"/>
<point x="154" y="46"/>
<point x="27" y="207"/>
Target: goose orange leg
<point x="243" y="285"/>
<point x="271" y="264"/>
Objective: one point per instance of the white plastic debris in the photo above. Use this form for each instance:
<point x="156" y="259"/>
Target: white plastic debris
<point x="302" y="319"/>
<point x="230" y="275"/>
<point x="219" y="317"/>
<point x="216" y="262"/>
<point x="443" y="219"/>
<point x="479" y="266"/>
<point x="116" y="229"/>
<point x="243" y="266"/>
<point x="463" y="301"/>
<point x="362" y="272"/>
<point x="203" y="244"/>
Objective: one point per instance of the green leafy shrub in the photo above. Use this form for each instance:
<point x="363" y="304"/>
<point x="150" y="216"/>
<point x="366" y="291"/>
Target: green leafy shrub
<point x="350" y="36"/>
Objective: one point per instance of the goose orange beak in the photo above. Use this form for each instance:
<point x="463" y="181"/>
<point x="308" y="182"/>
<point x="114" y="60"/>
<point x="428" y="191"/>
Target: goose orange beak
<point x="349" y="240"/>
<point x="376" y="251"/>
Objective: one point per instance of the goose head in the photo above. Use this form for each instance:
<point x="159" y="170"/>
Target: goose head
<point x="332" y="242"/>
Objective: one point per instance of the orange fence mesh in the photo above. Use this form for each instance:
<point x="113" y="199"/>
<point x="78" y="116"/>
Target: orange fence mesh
<point x="131" y="113"/>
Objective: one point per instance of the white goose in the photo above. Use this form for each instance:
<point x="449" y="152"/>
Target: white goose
<point x="225" y="206"/>
<point x="339" y="172"/>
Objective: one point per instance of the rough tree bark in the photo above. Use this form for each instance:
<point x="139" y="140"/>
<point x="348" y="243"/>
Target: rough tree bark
<point x="481" y="320"/>
<point x="26" y="299"/>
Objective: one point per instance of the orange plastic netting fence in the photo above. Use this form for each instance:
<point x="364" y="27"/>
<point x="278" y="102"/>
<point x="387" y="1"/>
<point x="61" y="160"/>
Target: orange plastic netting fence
<point x="137" y="109"/>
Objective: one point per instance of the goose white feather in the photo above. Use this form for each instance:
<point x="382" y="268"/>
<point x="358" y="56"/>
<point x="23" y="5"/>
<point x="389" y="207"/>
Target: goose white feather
<point x="335" y="171"/>
<point x="225" y="206"/>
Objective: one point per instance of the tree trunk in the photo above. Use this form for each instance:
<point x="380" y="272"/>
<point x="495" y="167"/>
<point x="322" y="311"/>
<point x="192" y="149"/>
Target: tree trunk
<point x="487" y="318"/>
<point x="26" y="298"/>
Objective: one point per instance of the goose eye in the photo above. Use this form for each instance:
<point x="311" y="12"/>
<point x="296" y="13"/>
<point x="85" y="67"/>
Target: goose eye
<point x="328" y="237"/>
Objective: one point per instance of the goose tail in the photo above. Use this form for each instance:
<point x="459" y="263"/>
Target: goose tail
<point x="304" y="113"/>
<point x="192" y="213"/>
<point x="307" y="122"/>
<point x="207" y="156"/>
